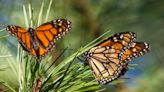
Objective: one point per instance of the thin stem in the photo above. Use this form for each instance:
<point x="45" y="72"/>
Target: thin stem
<point x="40" y="14"/>
<point x="65" y="73"/>
<point x="96" y="39"/>
<point x="25" y="16"/>
<point x="8" y="86"/>
<point x="4" y="56"/>
<point x="30" y="14"/>
<point x="48" y="10"/>
<point x="57" y="58"/>
<point x="4" y="36"/>
<point x="3" y="29"/>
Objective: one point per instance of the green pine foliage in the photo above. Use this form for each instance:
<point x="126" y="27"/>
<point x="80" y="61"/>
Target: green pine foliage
<point x="90" y="19"/>
<point x="67" y="75"/>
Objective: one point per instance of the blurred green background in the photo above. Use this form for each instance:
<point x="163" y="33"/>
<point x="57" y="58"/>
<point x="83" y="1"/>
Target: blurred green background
<point x="90" y="19"/>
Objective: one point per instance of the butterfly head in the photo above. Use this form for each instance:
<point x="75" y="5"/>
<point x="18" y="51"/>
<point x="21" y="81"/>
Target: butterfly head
<point x="31" y="29"/>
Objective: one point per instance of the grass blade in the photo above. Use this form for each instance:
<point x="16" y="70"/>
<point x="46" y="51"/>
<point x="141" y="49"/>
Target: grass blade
<point x="40" y="14"/>
<point x="25" y="16"/>
<point x="7" y="86"/>
<point x="48" y="10"/>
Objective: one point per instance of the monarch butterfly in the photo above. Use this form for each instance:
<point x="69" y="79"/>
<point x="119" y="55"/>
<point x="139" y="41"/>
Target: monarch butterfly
<point x="38" y="42"/>
<point x="108" y="60"/>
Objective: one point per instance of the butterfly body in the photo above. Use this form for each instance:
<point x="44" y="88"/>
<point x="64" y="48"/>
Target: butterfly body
<point x="38" y="42"/>
<point x="109" y="59"/>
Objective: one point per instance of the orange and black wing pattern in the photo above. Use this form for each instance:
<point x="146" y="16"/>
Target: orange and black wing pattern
<point x="104" y="60"/>
<point x="41" y="40"/>
<point x="136" y="50"/>
<point x="48" y="33"/>
<point x="104" y="63"/>
<point x="120" y="40"/>
<point x="22" y="36"/>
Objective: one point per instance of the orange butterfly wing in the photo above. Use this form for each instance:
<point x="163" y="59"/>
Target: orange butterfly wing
<point x="48" y="33"/>
<point x="41" y="40"/>
<point x="119" y="41"/>
<point x="104" y="59"/>
<point x="137" y="49"/>
<point x="22" y="36"/>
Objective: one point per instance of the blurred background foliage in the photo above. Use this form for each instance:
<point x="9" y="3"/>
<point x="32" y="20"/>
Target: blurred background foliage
<point x="90" y="19"/>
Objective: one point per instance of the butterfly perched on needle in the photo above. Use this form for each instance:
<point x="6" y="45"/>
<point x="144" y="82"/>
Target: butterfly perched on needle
<point x="38" y="42"/>
<point x="109" y="59"/>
